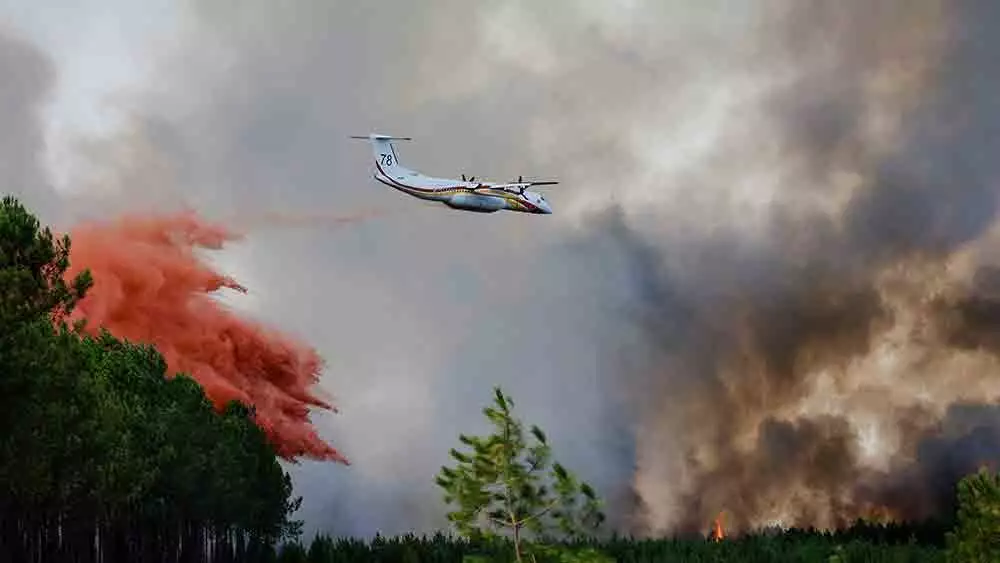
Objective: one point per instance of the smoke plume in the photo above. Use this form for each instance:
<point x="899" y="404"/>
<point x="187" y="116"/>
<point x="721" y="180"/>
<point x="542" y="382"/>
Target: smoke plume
<point x="151" y="287"/>
<point x="815" y="374"/>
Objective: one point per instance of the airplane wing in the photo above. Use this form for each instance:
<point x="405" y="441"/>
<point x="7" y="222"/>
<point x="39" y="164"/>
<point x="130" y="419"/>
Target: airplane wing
<point x="521" y="186"/>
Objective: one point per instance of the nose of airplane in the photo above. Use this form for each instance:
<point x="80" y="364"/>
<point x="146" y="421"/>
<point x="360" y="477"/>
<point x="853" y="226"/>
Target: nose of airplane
<point x="545" y="208"/>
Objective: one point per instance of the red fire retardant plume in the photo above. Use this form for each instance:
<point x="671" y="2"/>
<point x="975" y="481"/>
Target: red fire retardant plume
<point x="150" y="287"/>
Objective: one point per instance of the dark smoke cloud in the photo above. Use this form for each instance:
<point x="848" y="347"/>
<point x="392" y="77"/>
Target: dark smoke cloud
<point x="769" y="326"/>
<point x="966" y="439"/>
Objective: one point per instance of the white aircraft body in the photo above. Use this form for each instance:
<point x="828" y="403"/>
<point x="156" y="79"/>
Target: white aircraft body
<point x="467" y="195"/>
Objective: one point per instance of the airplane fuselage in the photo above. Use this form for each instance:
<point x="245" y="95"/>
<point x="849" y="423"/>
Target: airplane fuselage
<point x="464" y="195"/>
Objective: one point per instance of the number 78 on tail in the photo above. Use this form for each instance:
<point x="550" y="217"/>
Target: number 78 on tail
<point x="464" y="194"/>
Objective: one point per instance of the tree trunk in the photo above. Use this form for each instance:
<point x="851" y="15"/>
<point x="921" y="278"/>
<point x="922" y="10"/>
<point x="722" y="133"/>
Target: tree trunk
<point x="517" y="543"/>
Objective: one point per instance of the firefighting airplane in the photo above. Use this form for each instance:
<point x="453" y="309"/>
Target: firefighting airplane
<point x="467" y="195"/>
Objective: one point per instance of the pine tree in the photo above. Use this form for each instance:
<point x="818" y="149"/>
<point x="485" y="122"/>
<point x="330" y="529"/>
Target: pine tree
<point x="976" y="537"/>
<point x="505" y="486"/>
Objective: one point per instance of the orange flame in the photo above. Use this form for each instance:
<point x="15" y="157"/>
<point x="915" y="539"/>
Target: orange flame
<point x="717" y="533"/>
<point x="879" y="514"/>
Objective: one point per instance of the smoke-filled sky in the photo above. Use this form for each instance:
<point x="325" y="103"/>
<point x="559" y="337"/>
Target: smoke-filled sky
<point x="767" y="287"/>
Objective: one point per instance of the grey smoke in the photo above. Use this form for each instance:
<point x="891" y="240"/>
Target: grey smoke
<point x="28" y="79"/>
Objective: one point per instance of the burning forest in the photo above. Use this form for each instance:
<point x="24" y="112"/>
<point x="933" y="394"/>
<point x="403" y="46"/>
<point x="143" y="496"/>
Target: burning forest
<point x="842" y="360"/>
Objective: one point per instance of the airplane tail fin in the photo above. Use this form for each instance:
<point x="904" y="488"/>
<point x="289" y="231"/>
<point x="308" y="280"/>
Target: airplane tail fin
<point x="386" y="159"/>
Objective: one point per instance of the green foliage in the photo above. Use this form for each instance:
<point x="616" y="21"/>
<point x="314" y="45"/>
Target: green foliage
<point x="504" y="484"/>
<point x="293" y="553"/>
<point x="32" y="268"/>
<point x="563" y="554"/>
<point x="799" y="546"/>
<point x="976" y="537"/>
<point x="321" y="549"/>
<point x="96" y="440"/>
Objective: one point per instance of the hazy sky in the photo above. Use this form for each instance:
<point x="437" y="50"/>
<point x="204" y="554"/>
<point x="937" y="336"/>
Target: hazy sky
<point x="710" y="154"/>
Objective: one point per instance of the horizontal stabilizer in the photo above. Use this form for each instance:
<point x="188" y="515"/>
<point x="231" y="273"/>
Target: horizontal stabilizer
<point x="375" y="137"/>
